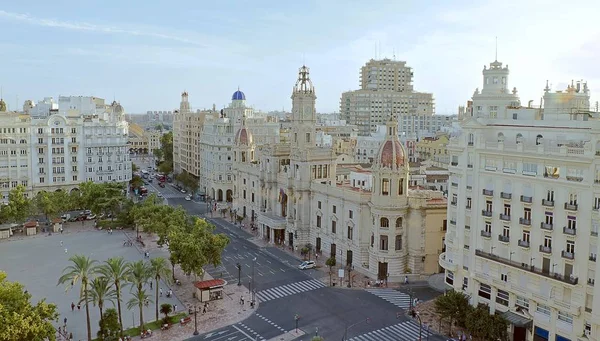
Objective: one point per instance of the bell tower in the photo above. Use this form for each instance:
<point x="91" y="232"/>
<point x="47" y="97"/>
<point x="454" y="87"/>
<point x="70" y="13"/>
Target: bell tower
<point x="184" y="106"/>
<point x="304" y="114"/>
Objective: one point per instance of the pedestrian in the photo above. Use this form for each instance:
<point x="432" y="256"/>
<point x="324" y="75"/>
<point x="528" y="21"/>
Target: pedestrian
<point x="241" y="300"/>
<point x="72" y="306"/>
<point x="61" y="230"/>
<point x="204" y="310"/>
<point x="78" y="306"/>
<point x="150" y="284"/>
<point x="70" y="336"/>
<point x="174" y="307"/>
<point x="160" y="291"/>
<point x="405" y="279"/>
<point x="66" y="250"/>
<point x="61" y="243"/>
<point x="65" y="320"/>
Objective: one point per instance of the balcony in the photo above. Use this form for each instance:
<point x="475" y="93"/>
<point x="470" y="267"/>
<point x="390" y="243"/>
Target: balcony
<point x="470" y="166"/>
<point x="527" y="268"/>
<point x="488" y="192"/>
<point x="526" y="222"/>
<point x="592" y="258"/>
<point x="505" y="195"/>
<point x="470" y="144"/>
<point x="570" y="206"/>
<point x="567" y="254"/>
<point x="505" y="217"/>
<point x="569" y="231"/>
<point x="548" y="203"/>
<point x="448" y="265"/>
<point x="524" y="243"/>
<point x="545" y="249"/>
<point x="486" y="234"/>
<point x="591" y="282"/>
<point x="546" y="226"/>
<point x="453" y="203"/>
<point x="452" y="222"/>
<point x="504" y="239"/>
<point x="594" y="233"/>
<point x="486" y="213"/>
<point x="526" y="199"/>
<point x="454" y="163"/>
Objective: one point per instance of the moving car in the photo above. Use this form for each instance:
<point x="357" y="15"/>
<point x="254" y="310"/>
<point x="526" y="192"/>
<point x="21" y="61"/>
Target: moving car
<point x="188" y="198"/>
<point x="162" y="185"/>
<point x="182" y="190"/>
<point x="307" y="265"/>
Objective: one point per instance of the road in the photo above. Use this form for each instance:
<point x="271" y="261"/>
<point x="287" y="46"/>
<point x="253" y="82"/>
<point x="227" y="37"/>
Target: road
<point x="284" y="292"/>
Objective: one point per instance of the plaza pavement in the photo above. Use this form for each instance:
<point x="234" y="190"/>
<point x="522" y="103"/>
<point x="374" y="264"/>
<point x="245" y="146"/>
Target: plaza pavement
<point x="38" y="261"/>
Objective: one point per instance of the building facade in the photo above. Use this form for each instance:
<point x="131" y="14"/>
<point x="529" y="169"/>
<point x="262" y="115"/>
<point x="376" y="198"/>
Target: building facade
<point x="386" y="88"/>
<point x="523" y="209"/>
<point x="369" y="219"/>
<point x="64" y="148"/>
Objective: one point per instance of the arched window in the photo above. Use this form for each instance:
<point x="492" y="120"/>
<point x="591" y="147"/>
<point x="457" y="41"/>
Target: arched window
<point x="500" y="138"/>
<point x="399" y="222"/>
<point x="384" y="222"/>
<point x="538" y="140"/>
<point x="519" y="138"/>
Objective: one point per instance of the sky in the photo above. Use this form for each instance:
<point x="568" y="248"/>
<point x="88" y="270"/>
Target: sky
<point x="145" y="53"/>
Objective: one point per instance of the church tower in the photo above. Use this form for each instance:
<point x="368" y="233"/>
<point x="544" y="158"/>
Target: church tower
<point x="304" y="114"/>
<point x="184" y="106"/>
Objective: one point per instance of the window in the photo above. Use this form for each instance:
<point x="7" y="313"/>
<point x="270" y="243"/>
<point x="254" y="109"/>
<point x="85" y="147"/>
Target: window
<point x="527" y="213"/>
<point x="468" y="202"/>
<point x="398" y="242"/>
<point x="571" y="222"/>
<point x="334" y="209"/>
<point x="350" y="214"/>
<point x="504" y="277"/>
<point x="401" y="186"/>
<point x="319" y="205"/>
<point x="507" y="209"/>
<point x="571" y="246"/>
<point x="383" y="243"/>
<point x="547" y="241"/>
<point x="385" y="186"/>
<point x="502" y="297"/>
<point x="399" y="222"/>
<point x="565" y="317"/>
<point x="349" y="233"/>
<point x="485" y="291"/>
<point x="384" y="222"/>
<point x="488" y="227"/>
<point x="543" y="309"/>
<point x="308" y="137"/>
<point x="465" y="283"/>
<point x="488" y="206"/>
<point x="522" y="303"/>
<point x="506" y="232"/>
<point x="318" y="221"/>
<point x="526" y="236"/>
<point x="333" y="226"/>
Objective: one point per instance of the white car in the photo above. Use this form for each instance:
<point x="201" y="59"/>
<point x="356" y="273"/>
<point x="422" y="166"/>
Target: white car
<point x="159" y="195"/>
<point x="183" y="190"/>
<point x="188" y="198"/>
<point x="307" y="265"/>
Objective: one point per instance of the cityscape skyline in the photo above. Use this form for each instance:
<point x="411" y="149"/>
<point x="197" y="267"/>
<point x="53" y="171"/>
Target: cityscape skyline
<point x="145" y="57"/>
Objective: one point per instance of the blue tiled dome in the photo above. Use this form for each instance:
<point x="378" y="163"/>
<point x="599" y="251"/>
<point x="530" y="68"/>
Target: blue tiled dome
<point x="238" y="96"/>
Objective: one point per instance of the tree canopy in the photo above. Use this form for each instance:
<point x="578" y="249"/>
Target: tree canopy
<point x="166" y="147"/>
<point x="188" y="181"/>
<point x="19" y="206"/>
<point x="20" y="319"/>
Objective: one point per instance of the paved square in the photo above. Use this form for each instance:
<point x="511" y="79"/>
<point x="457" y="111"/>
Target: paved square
<point x="37" y="262"/>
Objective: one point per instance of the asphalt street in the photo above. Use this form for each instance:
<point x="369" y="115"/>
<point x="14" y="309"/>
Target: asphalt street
<point x="284" y="292"/>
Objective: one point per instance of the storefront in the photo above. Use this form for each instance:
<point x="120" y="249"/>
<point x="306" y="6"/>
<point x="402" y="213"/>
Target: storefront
<point x="210" y="290"/>
<point x="519" y="325"/>
<point x="540" y="334"/>
<point x="272" y="227"/>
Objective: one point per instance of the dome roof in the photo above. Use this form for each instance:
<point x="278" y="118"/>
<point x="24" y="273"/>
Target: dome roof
<point x="243" y="137"/>
<point x="391" y="154"/>
<point x="238" y="96"/>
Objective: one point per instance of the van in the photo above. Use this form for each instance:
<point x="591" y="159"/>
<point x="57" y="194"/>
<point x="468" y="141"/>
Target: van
<point x="65" y="217"/>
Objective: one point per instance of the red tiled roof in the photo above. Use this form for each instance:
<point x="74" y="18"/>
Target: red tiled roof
<point x="211" y="283"/>
<point x="57" y="220"/>
<point x="30" y="224"/>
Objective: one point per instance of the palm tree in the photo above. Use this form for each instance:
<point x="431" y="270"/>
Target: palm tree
<point x="139" y="274"/>
<point x="139" y="299"/>
<point x="100" y="291"/>
<point x="160" y="270"/>
<point x="117" y="271"/>
<point x="82" y="270"/>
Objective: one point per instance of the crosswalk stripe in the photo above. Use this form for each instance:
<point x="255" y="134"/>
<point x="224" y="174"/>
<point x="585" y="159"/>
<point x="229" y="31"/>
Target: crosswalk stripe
<point x="289" y="289"/>
<point x="405" y="331"/>
<point x="394" y="297"/>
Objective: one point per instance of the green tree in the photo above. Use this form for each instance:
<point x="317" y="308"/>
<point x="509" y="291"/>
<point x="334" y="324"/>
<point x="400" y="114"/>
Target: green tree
<point x="109" y="326"/>
<point x="20" y="319"/>
<point x="101" y="291"/>
<point x="74" y="201"/>
<point x="188" y="181"/>
<point x="19" y="207"/>
<point x="139" y="275"/>
<point x="453" y="305"/>
<point x="82" y="269"/>
<point x="484" y="326"/>
<point x="47" y="204"/>
<point x="158" y="154"/>
<point x="90" y="195"/>
<point x="112" y="200"/>
<point x="160" y="269"/>
<point x="330" y="262"/>
<point x="166" y="145"/>
<point x="117" y="271"/>
<point x="166" y="309"/>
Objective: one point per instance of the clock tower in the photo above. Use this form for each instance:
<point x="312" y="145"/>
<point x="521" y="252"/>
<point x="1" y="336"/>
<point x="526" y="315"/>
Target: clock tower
<point x="304" y="115"/>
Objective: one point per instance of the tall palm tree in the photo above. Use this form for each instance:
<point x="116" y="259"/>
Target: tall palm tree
<point x="81" y="269"/>
<point x="139" y="299"/>
<point x="139" y="275"/>
<point x="160" y="269"/>
<point x="116" y="269"/>
<point x="100" y="291"/>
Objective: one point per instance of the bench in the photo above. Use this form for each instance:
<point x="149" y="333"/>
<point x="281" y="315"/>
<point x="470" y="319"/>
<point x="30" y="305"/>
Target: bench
<point x="185" y="320"/>
<point x="165" y="326"/>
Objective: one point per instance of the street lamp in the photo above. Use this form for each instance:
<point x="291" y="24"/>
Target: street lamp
<point x="239" y="267"/>
<point x="253" y="287"/>
<point x="297" y="318"/>
<point x="196" y="320"/>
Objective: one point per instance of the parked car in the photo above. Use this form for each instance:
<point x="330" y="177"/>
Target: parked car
<point x="91" y="217"/>
<point x="159" y="194"/>
<point x="183" y="190"/>
<point x="188" y="197"/>
<point x="307" y="265"/>
<point x="66" y="217"/>
<point x="87" y="212"/>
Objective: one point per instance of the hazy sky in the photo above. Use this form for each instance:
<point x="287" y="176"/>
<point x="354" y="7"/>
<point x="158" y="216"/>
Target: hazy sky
<point x="145" y="53"/>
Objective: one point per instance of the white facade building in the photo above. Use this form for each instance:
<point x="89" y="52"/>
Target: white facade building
<point x="60" y="152"/>
<point x="423" y="125"/>
<point x="523" y="209"/>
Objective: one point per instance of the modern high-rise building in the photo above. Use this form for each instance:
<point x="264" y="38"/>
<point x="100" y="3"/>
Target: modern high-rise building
<point x="524" y="200"/>
<point x="59" y="148"/>
<point x="386" y="88"/>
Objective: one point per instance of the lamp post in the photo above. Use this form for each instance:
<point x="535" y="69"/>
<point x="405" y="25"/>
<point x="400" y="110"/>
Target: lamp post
<point x="350" y="266"/>
<point x="239" y="267"/>
<point x="196" y="320"/>
<point x="297" y="318"/>
<point x="253" y="288"/>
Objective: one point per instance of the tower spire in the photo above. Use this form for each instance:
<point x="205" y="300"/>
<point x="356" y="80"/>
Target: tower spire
<point x="496" y="48"/>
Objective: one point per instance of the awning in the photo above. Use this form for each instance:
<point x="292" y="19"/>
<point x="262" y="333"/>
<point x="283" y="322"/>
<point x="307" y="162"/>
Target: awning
<point x="517" y="320"/>
<point x="272" y="221"/>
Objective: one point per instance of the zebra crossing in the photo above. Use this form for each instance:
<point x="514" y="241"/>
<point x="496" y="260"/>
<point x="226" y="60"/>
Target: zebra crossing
<point x="395" y="297"/>
<point x="289" y="289"/>
<point x="405" y="331"/>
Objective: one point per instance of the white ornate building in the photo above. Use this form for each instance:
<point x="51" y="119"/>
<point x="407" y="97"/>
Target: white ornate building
<point x="523" y="209"/>
<point x="60" y="150"/>
<point x="368" y="218"/>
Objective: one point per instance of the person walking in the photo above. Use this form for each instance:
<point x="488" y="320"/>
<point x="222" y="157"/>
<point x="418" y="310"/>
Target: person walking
<point x="174" y="307"/>
<point x="78" y="306"/>
<point x="72" y="306"/>
<point x="61" y="243"/>
<point x="65" y="321"/>
<point x="160" y="291"/>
